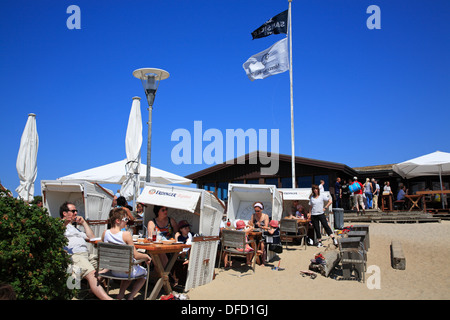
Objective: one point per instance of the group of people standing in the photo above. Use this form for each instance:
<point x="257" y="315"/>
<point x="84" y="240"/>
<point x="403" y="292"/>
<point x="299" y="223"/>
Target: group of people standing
<point x="366" y="196"/>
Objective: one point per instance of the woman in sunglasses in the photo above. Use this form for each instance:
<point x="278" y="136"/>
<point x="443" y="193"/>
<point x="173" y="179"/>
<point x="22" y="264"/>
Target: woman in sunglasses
<point x="118" y="220"/>
<point x="163" y="226"/>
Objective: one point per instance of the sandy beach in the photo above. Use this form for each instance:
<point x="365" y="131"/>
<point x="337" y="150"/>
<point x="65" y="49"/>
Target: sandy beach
<point x="427" y="276"/>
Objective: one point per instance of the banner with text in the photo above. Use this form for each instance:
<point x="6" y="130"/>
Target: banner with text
<point x="271" y="61"/>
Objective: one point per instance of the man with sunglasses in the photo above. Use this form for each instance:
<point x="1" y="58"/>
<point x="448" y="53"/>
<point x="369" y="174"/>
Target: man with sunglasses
<point x="77" y="247"/>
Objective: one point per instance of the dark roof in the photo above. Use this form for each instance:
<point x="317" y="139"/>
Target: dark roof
<point x="382" y="171"/>
<point x="382" y="167"/>
<point x="282" y="158"/>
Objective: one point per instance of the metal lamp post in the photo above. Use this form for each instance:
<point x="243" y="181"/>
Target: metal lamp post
<point x="150" y="78"/>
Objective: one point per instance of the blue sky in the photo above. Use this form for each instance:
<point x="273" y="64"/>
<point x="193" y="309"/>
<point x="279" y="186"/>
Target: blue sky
<point x="361" y="97"/>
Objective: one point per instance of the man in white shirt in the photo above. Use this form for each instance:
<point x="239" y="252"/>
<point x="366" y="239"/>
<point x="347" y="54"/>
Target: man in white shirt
<point x="375" y="194"/>
<point x="77" y="247"/>
<point x="321" y="188"/>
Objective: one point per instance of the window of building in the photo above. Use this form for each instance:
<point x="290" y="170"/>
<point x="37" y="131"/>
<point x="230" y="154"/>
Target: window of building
<point x="304" y="182"/>
<point x="209" y="186"/>
<point x="286" y="182"/>
<point x="273" y="181"/>
<point x="317" y="179"/>
<point x="222" y="190"/>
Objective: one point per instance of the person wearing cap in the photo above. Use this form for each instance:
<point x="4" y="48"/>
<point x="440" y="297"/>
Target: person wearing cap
<point x="184" y="235"/>
<point x="273" y="230"/>
<point x="241" y="226"/>
<point x="259" y="219"/>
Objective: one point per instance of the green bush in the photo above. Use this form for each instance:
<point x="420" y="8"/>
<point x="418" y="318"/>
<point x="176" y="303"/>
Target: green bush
<point x="32" y="259"/>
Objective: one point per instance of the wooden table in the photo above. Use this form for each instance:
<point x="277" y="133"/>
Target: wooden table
<point x="386" y="202"/>
<point x="430" y="192"/>
<point x="154" y="250"/>
<point x="255" y="235"/>
<point x="414" y="199"/>
<point x="303" y="221"/>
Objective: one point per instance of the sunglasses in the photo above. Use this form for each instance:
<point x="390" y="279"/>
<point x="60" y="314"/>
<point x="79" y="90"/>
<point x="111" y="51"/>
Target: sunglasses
<point x="125" y="219"/>
<point x="73" y="211"/>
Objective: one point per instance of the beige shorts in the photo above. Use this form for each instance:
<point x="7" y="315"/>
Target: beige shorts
<point x="85" y="262"/>
<point x="359" y="199"/>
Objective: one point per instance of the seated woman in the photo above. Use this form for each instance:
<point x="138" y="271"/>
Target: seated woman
<point x="240" y="225"/>
<point x="297" y="212"/>
<point x="163" y="226"/>
<point x="122" y="203"/>
<point x="116" y="235"/>
<point x="259" y="219"/>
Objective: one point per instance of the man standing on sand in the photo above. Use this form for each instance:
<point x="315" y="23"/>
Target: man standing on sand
<point x="78" y="249"/>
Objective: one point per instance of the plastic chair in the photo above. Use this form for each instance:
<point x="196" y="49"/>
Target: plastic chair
<point x="119" y="258"/>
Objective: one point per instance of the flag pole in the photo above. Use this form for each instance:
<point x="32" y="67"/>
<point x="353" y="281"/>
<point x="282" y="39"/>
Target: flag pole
<point x="292" y="95"/>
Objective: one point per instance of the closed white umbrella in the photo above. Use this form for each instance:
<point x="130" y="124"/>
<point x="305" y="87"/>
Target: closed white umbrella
<point x="133" y="143"/>
<point x="432" y="164"/>
<point x="26" y="163"/>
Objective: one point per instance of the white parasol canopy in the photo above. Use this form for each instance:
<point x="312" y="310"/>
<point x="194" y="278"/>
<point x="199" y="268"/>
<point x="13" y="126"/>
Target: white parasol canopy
<point x="133" y="143"/>
<point x="433" y="164"/>
<point x="115" y="173"/>
<point x="26" y="163"/>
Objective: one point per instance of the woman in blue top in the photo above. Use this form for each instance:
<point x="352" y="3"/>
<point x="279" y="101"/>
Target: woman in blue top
<point x="316" y="214"/>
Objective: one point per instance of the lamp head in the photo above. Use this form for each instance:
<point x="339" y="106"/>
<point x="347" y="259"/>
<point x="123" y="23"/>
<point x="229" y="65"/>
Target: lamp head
<point x="150" y="78"/>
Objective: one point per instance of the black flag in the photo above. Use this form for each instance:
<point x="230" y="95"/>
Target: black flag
<point x="275" y="25"/>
